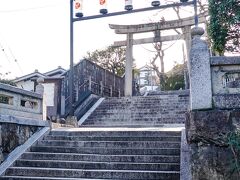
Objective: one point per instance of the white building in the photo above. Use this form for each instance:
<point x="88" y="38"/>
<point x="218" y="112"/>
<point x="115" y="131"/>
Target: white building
<point x="146" y="77"/>
<point x="52" y="87"/>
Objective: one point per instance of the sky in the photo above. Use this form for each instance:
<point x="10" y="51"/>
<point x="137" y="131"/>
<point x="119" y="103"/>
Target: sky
<point x="34" y="34"/>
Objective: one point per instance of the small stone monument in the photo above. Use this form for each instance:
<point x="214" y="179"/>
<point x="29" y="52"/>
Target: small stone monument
<point x="40" y="87"/>
<point x="72" y="120"/>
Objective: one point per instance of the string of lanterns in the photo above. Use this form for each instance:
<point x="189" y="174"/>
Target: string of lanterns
<point x="78" y="5"/>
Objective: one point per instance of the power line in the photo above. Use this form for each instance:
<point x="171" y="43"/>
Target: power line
<point x="12" y="55"/>
<point x="27" y="9"/>
<point x="15" y="60"/>
<point x="153" y="51"/>
<point x="4" y="52"/>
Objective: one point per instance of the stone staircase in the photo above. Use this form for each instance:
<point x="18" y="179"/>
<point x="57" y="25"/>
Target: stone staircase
<point x="102" y="153"/>
<point x="122" y="139"/>
<point x="152" y="111"/>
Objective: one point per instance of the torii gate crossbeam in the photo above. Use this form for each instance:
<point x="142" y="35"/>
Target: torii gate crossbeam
<point x="129" y="30"/>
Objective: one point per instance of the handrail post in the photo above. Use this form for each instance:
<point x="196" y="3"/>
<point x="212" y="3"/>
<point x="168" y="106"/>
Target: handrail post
<point x="101" y="88"/>
<point x="111" y="91"/>
<point x="90" y="83"/>
<point x="119" y="93"/>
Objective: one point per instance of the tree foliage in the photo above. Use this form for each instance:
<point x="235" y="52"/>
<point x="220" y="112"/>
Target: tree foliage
<point x="175" y="78"/>
<point x="111" y="58"/>
<point x="224" y="25"/>
<point x="6" y="81"/>
<point x="160" y="51"/>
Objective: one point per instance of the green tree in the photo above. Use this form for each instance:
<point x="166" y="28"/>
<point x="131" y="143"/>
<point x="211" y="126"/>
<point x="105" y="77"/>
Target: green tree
<point x="110" y="58"/>
<point x="6" y="81"/>
<point x="224" y="25"/>
<point x="175" y="78"/>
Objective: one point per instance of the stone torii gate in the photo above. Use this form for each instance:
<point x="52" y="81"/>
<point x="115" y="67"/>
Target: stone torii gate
<point x="129" y="30"/>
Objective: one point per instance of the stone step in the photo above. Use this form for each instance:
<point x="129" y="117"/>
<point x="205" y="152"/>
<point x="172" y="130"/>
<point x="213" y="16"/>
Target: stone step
<point x="101" y="158"/>
<point x="133" y="123"/>
<point x="110" y="144"/>
<point x="150" y="110"/>
<point x="131" y="118"/>
<point x="150" y="103"/>
<point x="145" y="99"/>
<point x="107" y="151"/>
<point x="136" y="125"/>
<point x="82" y="173"/>
<point x="149" y="115"/>
<point x="114" y="132"/>
<point x="142" y="107"/>
<point x="98" y="165"/>
<point x="112" y="138"/>
<point x="144" y="110"/>
<point x="42" y="178"/>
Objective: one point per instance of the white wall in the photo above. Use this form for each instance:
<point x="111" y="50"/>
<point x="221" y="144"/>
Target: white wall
<point x="49" y="93"/>
<point x="27" y="85"/>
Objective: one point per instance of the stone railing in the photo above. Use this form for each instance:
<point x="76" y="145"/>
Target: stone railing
<point x="225" y="73"/>
<point x="214" y="81"/>
<point x="20" y="103"/>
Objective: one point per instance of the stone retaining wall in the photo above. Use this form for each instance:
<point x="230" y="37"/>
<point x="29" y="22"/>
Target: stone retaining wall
<point x="16" y="131"/>
<point x="211" y="157"/>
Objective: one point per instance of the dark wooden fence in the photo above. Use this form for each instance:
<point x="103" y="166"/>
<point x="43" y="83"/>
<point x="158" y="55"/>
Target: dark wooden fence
<point x="88" y="76"/>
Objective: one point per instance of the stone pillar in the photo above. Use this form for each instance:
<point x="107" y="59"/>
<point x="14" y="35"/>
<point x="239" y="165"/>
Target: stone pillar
<point x="40" y="87"/>
<point x="200" y="73"/>
<point x="128" y="65"/>
<point x="40" y="90"/>
<point x="72" y="120"/>
<point x="188" y="39"/>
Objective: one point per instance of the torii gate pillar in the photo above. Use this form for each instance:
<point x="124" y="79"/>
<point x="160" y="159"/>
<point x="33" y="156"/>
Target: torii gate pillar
<point x="129" y="65"/>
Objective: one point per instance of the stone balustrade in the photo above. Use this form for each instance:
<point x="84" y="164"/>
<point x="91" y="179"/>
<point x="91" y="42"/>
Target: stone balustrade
<point x="20" y="103"/>
<point x="225" y="72"/>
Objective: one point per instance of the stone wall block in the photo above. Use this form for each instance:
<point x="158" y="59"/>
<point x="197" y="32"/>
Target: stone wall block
<point x="209" y="126"/>
<point x="211" y="157"/>
<point x="13" y="135"/>
<point x="9" y="137"/>
<point x="1" y="148"/>
<point x="211" y="163"/>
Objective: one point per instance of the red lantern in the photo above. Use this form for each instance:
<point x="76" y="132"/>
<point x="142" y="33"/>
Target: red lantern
<point x="78" y="8"/>
<point x="103" y="6"/>
<point x="102" y="2"/>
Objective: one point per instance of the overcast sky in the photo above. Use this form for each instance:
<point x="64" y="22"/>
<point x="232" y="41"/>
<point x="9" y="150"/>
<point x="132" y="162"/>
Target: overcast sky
<point x="36" y="34"/>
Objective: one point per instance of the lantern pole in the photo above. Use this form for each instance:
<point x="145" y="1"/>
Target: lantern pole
<point x="71" y="76"/>
<point x="130" y="11"/>
<point x="195" y="12"/>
